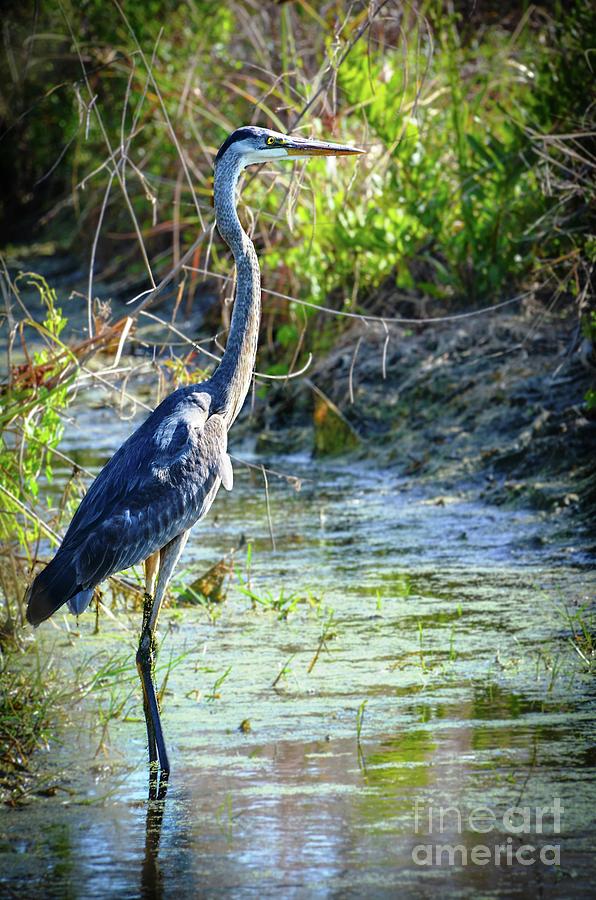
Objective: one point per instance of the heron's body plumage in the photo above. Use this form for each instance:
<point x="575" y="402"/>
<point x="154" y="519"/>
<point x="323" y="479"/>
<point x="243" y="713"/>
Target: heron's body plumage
<point x="161" y="481"/>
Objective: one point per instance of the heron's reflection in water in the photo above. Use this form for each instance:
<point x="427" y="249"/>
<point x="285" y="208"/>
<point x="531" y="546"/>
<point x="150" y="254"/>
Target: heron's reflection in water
<point x="151" y="877"/>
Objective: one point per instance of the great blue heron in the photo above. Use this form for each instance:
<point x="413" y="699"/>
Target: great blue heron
<point x="164" y="478"/>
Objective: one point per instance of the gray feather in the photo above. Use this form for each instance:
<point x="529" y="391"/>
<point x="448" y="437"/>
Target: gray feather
<point x="161" y="481"/>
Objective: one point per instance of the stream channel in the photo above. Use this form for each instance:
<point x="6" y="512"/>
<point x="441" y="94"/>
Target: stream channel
<point x="404" y="691"/>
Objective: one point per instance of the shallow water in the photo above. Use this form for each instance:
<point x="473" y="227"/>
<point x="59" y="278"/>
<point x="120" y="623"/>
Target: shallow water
<point x="447" y="680"/>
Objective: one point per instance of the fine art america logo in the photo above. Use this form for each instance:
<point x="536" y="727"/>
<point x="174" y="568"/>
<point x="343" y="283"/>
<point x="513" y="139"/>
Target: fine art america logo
<point x="513" y="839"/>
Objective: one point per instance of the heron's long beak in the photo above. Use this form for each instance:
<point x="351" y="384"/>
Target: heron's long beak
<point x="301" y="148"/>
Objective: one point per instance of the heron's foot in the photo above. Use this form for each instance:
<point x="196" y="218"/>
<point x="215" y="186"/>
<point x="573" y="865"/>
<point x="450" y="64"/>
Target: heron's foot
<point x="158" y="783"/>
<point x="153" y="778"/>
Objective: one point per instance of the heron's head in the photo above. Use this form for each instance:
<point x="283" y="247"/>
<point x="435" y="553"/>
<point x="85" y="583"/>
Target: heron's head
<point x="250" y="145"/>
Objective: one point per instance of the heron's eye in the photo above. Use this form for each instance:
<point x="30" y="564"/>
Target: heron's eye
<point x="270" y="140"/>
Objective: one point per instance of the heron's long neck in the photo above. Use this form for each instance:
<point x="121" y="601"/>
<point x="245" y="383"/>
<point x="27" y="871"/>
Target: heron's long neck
<point x="232" y="379"/>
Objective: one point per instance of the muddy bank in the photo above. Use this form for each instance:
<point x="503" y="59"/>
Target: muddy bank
<point x="495" y="403"/>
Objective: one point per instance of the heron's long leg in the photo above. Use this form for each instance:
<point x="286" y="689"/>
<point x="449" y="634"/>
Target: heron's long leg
<point x="151" y="566"/>
<point x="168" y="558"/>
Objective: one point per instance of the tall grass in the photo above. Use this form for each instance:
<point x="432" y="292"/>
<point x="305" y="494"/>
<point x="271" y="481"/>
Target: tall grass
<point x="477" y="182"/>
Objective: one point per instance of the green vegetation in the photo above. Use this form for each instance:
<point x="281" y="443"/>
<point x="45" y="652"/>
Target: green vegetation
<point x="27" y="697"/>
<point x="582" y="625"/>
<point x="30" y="416"/>
<point x="282" y="603"/>
<point x="589" y="332"/>
<point x="476" y="187"/>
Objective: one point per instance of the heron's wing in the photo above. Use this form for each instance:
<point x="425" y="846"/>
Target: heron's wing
<point x="158" y="484"/>
<point x="161" y="437"/>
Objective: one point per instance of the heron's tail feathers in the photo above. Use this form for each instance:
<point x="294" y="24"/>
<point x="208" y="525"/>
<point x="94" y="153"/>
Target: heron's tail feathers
<point x="52" y="588"/>
<point x="80" y="601"/>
